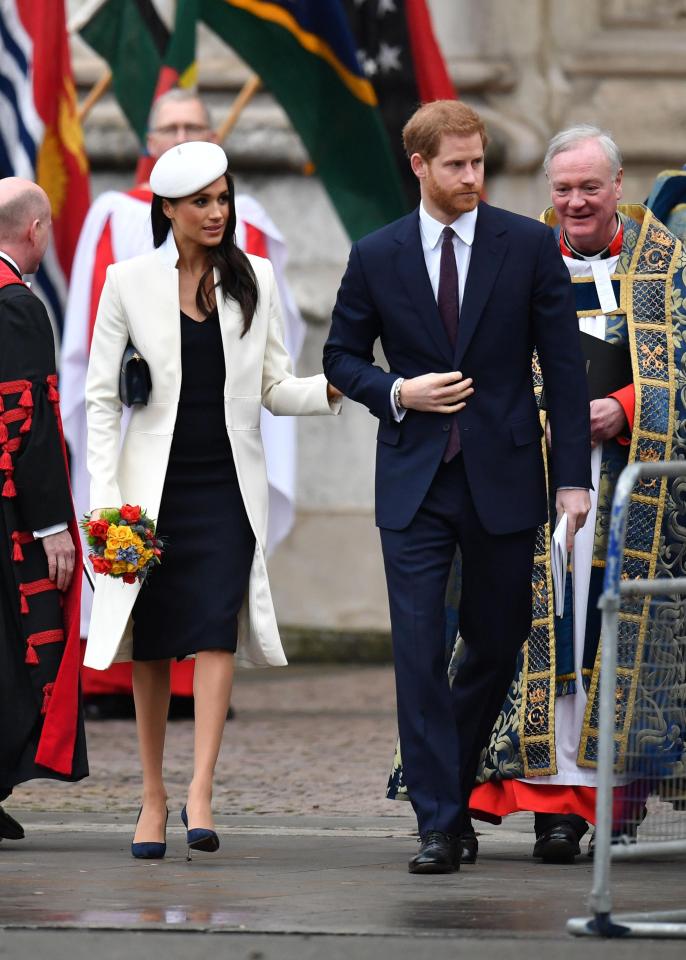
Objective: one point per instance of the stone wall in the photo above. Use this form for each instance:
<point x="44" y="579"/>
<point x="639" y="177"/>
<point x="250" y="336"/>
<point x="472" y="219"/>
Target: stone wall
<point x="530" y="67"/>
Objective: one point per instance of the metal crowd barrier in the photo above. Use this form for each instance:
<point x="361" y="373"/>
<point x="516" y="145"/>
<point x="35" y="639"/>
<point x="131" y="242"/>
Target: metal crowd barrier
<point x="602" y="923"/>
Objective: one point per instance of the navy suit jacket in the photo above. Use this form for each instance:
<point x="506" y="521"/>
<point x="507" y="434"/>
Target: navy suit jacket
<point x="518" y="296"/>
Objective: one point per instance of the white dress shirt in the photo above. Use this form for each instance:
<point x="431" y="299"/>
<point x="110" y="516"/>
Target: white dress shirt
<point x="431" y="232"/>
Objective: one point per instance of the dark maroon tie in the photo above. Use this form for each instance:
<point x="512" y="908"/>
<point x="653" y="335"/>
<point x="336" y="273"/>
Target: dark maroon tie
<point x="449" y="309"/>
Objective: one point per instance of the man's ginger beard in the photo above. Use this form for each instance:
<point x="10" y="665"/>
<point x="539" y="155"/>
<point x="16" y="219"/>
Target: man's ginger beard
<point x="452" y="202"/>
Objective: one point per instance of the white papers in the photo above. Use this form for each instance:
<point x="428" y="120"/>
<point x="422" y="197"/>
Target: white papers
<point x="603" y="285"/>
<point x="558" y="564"/>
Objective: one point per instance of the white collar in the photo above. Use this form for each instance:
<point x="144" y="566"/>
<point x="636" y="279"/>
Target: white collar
<point x="432" y="229"/>
<point x="168" y="251"/>
<point x="9" y="259"/>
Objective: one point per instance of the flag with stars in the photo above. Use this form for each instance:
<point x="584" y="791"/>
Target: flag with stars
<point x="305" y="53"/>
<point x="400" y="55"/>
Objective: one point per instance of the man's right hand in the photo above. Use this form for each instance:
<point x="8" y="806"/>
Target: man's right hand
<point x="436" y="392"/>
<point x="59" y="549"/>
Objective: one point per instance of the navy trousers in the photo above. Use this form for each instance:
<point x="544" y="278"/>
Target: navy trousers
<point x="443" y="730"/>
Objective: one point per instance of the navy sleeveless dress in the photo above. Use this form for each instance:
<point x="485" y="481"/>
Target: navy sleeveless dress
<point x="191" y="602"/>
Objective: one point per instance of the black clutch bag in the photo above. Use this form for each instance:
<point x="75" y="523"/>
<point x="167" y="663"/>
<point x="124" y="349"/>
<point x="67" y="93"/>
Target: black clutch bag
<point x="135" y="383"/>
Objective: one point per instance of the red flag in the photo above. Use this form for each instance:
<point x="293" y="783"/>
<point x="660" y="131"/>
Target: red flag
<point x="430" y="71"/>
<point x="61" y="163"/>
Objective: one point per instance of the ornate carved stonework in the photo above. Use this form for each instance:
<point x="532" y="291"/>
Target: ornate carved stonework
<point x="645" y="13"/>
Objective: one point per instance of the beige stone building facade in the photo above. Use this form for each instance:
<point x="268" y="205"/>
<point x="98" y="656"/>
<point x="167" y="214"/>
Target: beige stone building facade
<point x="531" y="67"/>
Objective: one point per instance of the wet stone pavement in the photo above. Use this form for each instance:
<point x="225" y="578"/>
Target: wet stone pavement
<point x="312" y="860"/>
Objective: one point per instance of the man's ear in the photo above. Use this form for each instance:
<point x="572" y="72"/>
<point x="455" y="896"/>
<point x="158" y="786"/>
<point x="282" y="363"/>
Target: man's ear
<point x="618" y="183"/>
<point x="32" y="232"/>
<point x="418" y="165"/>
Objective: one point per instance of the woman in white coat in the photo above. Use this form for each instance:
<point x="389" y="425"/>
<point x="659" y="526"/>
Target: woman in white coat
<point x="206" y="319"/>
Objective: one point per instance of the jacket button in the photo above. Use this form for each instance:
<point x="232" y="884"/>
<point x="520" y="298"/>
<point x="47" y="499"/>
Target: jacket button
<point x="446" y="427"/>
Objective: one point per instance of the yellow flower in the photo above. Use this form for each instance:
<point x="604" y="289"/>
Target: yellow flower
<point x="120" y="536"/>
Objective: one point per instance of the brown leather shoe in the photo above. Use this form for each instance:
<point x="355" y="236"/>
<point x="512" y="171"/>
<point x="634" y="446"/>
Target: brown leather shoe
<point x="438" y="853"/>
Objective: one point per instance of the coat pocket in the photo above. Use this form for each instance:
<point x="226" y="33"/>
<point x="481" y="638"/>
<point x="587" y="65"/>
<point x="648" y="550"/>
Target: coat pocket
<point x="526" y="431"/>
<point x="388" y="433"/>
<point x="243" y="413"/>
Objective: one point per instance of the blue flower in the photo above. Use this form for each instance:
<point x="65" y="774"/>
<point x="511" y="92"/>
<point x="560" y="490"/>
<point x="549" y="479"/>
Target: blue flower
<point x="127" y="555"/>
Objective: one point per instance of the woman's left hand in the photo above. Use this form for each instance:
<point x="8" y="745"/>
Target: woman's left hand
<point x="333" y="393"/>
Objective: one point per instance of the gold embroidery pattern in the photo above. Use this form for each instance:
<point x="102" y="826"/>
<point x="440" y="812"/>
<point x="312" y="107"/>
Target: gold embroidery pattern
<point x="649" y="318"/>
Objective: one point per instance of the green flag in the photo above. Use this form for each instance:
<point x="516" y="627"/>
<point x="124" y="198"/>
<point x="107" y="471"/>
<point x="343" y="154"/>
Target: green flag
<point x="145" y="59"/>
<point x="305" y="54"/>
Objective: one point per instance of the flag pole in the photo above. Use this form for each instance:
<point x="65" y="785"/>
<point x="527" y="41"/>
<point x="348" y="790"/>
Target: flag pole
<point x="247" y="92"/>
<point x="96" y="92"/>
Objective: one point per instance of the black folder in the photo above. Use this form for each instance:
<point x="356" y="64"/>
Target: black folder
<point x="608" y="367"/>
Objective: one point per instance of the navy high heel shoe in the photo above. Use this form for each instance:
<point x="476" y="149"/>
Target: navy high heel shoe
<point x="200" y="838"/>
<point x="149" y="850"/>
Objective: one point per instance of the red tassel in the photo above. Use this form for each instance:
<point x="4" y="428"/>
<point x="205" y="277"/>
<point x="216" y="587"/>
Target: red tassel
<point x="24" y="607"/>
<point x="3" y="432"/>
<point x="47" y="693"/>
<point x="17" y="552"/>
<point x="2" y="404"/>
<point x="26" y="425"/>
<point x="9" y="490"/>
<point x="31" y="655"/>
<point x="6" y="461"/>
<point x="26" y="400"/>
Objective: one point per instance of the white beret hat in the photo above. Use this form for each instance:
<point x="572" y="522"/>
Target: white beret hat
<point x="187" y="168"/>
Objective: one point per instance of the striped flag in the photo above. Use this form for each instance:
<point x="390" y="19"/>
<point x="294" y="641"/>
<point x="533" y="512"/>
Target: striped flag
<point x="40" y="134"/>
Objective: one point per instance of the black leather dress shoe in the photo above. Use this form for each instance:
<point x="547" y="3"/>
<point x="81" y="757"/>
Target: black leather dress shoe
<point x="438" y="853"/>
<point x="9" y="828"/>
<point x="558" y="844"/>
<point x="469" y="847"/>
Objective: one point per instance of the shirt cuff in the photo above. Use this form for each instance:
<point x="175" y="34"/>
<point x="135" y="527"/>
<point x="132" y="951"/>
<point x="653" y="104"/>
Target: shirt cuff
<point x="626" y="398"/>
<point x="397" y="414"/>
<point x="48" y="531"/>
<point x="574" y="488"/>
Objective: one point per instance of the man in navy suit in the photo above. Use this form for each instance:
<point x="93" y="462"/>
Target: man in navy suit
<point x="459" y="294"/>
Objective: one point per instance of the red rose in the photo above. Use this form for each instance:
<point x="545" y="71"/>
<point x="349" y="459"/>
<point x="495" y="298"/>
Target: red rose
<point x="98" y="529"/>
<point x="130" y="514"/>
<point x="100" y="564"/>
<point x="129" y="577"/>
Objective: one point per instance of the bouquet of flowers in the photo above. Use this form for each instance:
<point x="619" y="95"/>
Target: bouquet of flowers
<point x="122" y="543"/>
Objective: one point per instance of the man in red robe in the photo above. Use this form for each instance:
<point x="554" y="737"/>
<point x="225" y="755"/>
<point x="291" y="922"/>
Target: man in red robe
<point x="40" y="715"/>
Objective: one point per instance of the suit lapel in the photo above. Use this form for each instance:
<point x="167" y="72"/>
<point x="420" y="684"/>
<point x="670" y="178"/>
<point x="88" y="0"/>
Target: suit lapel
<point x="231" y="326"/>
<point x="411" y="269"/>
<point x="488" y="252"/>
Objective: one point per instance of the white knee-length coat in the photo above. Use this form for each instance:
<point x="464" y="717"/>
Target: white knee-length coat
<point x="140" y="300"/>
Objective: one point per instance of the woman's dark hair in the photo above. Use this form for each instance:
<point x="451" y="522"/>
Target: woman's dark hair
<point x="236" y="275"/>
